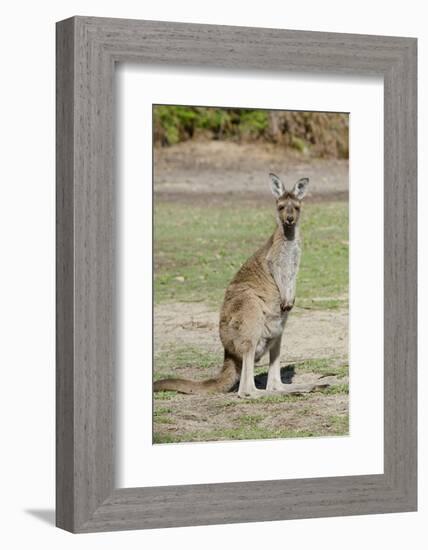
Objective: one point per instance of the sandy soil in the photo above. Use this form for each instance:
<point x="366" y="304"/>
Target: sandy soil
<point x="308" y="334"/>
<point x="196" y="418"/>
<point x="218" y="168"/>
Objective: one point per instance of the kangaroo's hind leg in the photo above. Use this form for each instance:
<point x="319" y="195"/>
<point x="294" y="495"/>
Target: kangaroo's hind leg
<point x="274" y="375"/>
<point x="247" y="385"/>
<point x="274" y="383"/>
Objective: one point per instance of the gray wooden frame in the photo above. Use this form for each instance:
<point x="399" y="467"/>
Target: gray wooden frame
<point x="87" y="50"/>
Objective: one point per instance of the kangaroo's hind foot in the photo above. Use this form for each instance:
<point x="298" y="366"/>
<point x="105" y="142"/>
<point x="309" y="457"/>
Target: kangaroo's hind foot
<point x="284" y="389"/>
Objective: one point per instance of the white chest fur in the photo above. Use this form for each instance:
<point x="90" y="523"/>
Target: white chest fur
<point x="284" y="261"/>
<point x="288" y="260"/>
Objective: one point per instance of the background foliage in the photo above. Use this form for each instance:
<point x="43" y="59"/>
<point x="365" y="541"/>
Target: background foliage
<point x="313" y="133"/>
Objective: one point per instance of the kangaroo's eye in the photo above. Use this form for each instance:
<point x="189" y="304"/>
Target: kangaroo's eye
<point x="281" y="207"/>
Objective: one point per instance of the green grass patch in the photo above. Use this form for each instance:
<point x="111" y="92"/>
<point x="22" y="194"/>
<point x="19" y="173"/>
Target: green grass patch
<point x="324" y="367"/>
<point x="165" y="395"/>
<point x="166" y="438"/>
<point x="168" y="362"/>
<point x="250" y="419"/>
<point x="161" y="411"/>
<point x="164" y="420"/>
<point x="337" y="388"/>
<point x="198" y="250"/>
<point x="234" y="434"/>
<point x="339" y="424"/>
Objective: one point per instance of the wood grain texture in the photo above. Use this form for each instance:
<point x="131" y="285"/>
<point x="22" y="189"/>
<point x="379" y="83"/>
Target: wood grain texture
<point x="64" y="277"/>
<point x="87" y="49"/>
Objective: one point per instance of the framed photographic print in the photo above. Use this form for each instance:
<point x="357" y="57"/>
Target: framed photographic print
<point x="236" y="274"/>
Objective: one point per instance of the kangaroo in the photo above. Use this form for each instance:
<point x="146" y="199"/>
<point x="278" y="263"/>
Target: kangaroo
<point x="256" y="306"/>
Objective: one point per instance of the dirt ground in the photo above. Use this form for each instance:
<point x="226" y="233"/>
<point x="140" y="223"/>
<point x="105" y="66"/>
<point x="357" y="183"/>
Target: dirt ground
<point x="309" y="334"/>
<point x="193" y="172"/>
<point x="192" y="169"/>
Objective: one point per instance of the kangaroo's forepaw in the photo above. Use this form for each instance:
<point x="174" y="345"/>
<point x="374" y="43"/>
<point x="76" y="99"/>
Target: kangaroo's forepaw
<point x="287" y="305"/>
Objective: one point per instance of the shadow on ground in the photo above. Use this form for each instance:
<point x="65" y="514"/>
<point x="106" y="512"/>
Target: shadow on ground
<point x="47" y="515"/>
<point x="287" y="375"/>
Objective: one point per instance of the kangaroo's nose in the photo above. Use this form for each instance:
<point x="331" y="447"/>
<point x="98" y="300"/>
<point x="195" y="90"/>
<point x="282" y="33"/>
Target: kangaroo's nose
<point x="289" y="219"/>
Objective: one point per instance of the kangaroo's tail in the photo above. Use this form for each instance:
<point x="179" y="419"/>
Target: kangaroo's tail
<point x="222" y="383"/>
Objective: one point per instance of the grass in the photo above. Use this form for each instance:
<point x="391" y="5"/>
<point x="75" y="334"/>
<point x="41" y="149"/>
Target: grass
<point x="337" y="426"/>
<point x="170" y="361"/>
<point x="337" y="388"/>
<point x="339" y="423"/>
<point x="198" y="249"/>
<point x="272" y="399"/>
<point x="241" y="419"/>
<point x="324" y="367"/>
<point x="224" y="417"/>
<point x="165" y="395"/>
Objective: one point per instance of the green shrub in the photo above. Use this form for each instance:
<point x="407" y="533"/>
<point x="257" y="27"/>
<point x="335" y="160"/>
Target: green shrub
<point x="319" y="134"/>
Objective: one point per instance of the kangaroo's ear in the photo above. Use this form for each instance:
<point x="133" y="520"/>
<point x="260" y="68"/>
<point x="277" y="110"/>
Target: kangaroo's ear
<point x="300" y="188"/>
<point x="277" y="186"/>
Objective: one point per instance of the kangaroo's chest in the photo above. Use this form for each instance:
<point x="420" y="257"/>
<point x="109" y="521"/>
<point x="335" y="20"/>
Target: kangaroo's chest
<point x="287" y="265"/>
